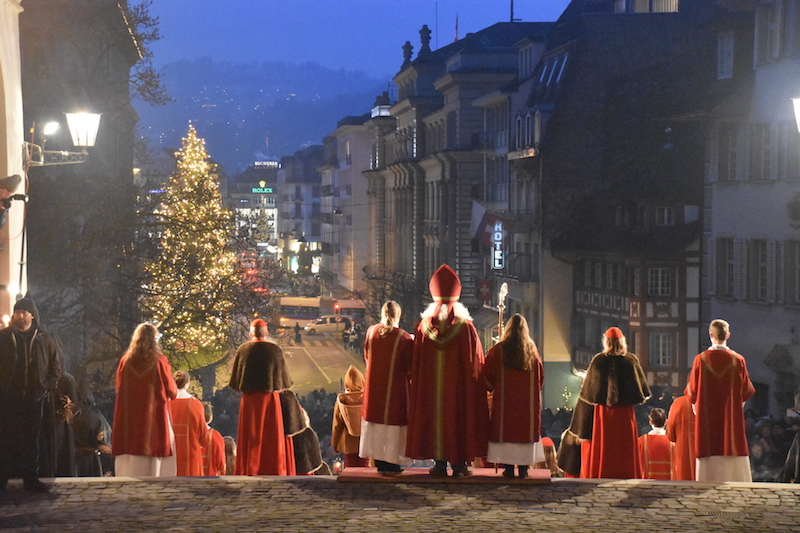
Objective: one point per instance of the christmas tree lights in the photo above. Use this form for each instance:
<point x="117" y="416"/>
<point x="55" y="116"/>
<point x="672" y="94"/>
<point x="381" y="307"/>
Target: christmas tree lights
<point x="190" y="284"/>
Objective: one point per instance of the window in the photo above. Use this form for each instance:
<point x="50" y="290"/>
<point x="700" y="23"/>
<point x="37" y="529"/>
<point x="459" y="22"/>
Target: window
<point x="598" y="275"/>
<point x="348" y="156"/>
<point x="757" y="274"/>
<point x="727" y="153"/>
<point x="764" y="152"/>
<point x="646" y="6"/>
<point x="725" y="54"/>
<point x="664" y="216"/>
<point x="792" y="280"/>
<point x="587" y="274"/>
<point x="641" y="216"/>
<point x="725" y="267"/>
<point x="544" y="72"/>
<point x="659" y="281"/>
<point x="663" y="6"/>
<point x="590" y="331"/>
<point x="610" y="276"/>
<point x="553" y="71"/>
<point x="769" y="25"/>
<point x="662" y="349"/>
<point x="637" y="280"/>
<point x="561" y="69"/>
<point x="619" y="216"/>
<point x="528" y="130"/>
<point x="525" y="61"/>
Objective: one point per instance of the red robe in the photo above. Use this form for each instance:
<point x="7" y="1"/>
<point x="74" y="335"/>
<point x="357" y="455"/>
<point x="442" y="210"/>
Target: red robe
<point x="262" y="448"/>
<point x="448" y="412"/>
<point x="214" y="454"/>
<point x="613" y="451"/>
<point x="613" y="385"/>
<point x="680" y="430"/>
<point x="388" y="360"/>
<point x="656" y="454"/>
<point x="718" y="387"/>
<point x="517" y="400"/>
<point x="141" y="412"/>
<point x="189" y="425"/>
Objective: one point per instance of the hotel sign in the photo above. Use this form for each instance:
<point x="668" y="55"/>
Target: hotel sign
<point x="498" y="261"/>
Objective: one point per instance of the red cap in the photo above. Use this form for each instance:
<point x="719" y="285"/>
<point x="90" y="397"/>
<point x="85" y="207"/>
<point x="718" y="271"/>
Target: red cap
<point x="258" y="323"/>
<point x="547" y="441"/>
<point x="614" y="333"/>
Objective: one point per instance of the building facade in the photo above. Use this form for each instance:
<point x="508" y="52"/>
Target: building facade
<point x="299" y="207"/>
<point x="345" y="217"/>
<point x="81" y="218"/>
<point x="752" y="226"/>
<point x="11" y="160"/>
<point x="428" y="170"/>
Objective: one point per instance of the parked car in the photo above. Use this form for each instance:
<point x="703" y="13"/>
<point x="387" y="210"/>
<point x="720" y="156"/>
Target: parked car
<point x="329" y="324"/>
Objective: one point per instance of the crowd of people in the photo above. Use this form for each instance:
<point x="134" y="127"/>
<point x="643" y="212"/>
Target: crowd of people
<point x="425" y="397"/>
<point x="431" y="398"/>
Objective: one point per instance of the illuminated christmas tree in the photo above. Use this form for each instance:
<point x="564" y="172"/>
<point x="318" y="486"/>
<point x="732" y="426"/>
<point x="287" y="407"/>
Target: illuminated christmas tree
<point x="191" y="281"/>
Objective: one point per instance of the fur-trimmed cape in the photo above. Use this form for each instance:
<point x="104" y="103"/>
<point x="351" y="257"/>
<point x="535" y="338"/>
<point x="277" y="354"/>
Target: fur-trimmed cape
<point x="259" y="366"/>
<point x="307" y="454"/>
<point x="611" y="380"/>
<point x="615" y="380"/>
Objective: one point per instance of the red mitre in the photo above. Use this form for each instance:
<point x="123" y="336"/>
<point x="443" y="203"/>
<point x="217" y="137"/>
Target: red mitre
<point x="445" y="286"/>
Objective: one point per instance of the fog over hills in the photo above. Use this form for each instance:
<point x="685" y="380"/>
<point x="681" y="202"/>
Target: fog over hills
<point x="254" y="111"/>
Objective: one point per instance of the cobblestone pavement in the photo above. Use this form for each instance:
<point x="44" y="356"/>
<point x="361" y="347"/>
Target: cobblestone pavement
<point x="242" y="504"/>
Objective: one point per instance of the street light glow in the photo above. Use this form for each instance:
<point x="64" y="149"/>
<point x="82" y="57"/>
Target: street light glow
<point x="50" y="128"/>
<point x="796" y="104"/>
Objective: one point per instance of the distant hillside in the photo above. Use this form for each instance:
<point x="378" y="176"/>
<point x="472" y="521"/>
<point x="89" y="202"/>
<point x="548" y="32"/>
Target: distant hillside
<point x="254" y="111"/>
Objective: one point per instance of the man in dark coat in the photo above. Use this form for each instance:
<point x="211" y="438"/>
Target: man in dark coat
<point x="56" y="438"/>
<point x="92" y="435"/>
<point x="30" y="366"/>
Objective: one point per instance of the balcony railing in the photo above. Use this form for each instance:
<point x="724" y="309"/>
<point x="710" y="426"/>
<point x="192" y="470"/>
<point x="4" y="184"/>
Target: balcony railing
<point x="520" y="266"/>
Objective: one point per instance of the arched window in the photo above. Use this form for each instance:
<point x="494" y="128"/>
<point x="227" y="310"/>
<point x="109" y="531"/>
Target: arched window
<point x="528" y="130"/>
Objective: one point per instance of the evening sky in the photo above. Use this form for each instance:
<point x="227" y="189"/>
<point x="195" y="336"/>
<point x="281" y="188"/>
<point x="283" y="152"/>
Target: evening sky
<point x="365" y="35"/>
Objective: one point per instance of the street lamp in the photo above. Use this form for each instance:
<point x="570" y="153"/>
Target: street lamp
<point x="796" y="104"/>
<point x="83" y="126"/>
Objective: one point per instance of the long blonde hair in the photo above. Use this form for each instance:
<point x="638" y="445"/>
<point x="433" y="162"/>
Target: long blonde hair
<point x="615" y="346"/>
<point x="519" y="350"/>
<point x="144" y="343"/>
<point x="390" y="316"/>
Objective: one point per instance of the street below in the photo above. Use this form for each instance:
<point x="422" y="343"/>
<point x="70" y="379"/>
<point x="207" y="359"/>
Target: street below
<point x="320" y="362"/>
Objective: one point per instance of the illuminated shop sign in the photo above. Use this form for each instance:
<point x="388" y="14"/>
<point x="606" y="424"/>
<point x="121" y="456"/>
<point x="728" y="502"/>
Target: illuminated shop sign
<point x="498" y="262"/>
<point x="261" y="189"/>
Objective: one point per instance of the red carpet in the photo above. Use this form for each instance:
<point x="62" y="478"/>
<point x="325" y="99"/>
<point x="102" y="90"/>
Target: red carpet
<point x="421" y="475"/>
